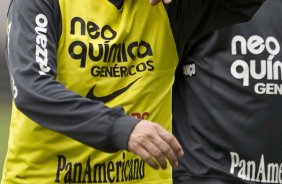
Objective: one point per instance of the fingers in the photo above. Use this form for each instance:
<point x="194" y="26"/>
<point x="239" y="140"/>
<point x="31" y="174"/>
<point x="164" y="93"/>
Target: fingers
<point x="166" y="150"/>
<point x="154" y="2"/>
<point x="157" y="154"/>
<point x="154" y="145"/>
<point x="145" y="155"/>
<point x="172" y="142"/>
<point x="140" y="145"/>
<point x="167" y="1"/>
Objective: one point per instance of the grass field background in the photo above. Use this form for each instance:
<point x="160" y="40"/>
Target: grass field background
<point x="4" y="128"/>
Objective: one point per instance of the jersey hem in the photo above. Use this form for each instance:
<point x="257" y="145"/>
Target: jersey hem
<point x="202" y="179"/>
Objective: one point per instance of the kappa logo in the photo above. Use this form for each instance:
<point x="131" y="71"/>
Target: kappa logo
<point x="111" y="96"/>
<point x="189" y="70"/>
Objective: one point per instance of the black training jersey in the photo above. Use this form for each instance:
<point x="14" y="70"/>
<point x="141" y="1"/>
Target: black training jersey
<point x="83" y="74"/>
<point x="227" y="104"/>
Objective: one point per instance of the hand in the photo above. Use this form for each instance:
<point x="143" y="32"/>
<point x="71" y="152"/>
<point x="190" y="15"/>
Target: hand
<point x="154" y="145"/>
<point x="154" y="2"/>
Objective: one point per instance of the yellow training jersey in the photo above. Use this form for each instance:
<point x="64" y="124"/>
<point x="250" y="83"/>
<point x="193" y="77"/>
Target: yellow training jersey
<point x="73" y="55"/>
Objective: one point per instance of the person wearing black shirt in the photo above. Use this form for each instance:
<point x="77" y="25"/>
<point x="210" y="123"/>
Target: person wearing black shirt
<point x="227" y="103"/>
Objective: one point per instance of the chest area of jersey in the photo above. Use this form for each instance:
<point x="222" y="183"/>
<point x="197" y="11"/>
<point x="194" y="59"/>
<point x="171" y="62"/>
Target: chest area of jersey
<point x="105" y="42"/>
<point x="246" y="61"/>
<point x="116" y="53"/>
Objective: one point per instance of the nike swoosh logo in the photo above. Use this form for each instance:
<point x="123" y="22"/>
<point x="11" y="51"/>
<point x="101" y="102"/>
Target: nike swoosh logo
<point x="111" y="96"/>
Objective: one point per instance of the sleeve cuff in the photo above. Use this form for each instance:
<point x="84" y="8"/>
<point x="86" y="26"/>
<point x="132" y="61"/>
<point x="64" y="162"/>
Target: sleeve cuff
<point x="121" y="131"/>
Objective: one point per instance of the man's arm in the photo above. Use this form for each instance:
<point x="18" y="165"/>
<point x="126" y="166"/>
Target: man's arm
<point x="33" y="34"/>
<point x="34" y="29"/>
<point x="192" y="19"/>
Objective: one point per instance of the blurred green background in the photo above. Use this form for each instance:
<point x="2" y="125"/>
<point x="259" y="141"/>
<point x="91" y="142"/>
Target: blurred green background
<point x="5" y="95"/>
